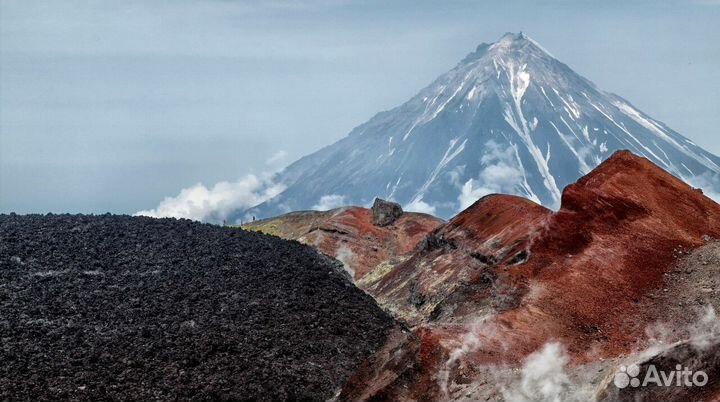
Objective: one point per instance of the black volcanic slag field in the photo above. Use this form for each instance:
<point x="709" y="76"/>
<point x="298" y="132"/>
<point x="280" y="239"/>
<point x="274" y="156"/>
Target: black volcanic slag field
<point x="139" y="309"/>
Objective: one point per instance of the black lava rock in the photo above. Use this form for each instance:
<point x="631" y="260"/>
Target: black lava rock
<point x="139" y="309"/>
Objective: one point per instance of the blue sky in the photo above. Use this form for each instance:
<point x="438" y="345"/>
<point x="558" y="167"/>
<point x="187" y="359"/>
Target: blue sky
<point x="111" y="106"/>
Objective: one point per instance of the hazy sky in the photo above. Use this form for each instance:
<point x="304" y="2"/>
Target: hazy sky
<point x="113" y="105"/>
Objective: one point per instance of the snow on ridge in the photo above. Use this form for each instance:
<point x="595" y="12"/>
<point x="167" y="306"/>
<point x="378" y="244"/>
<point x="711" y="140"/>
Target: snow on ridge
<point x="539" y="46"/>
<point x="583" y="165"/>
<point x="515" y="115"/>
<point x="655" y="128"/>
<point x="440" y="166"/>
<point x="556" y="124"/>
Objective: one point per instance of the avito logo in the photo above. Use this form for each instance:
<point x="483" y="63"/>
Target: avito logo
<point x="680" y="377"/>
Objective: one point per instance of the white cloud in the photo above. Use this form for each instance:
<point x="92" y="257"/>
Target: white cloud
<point x="277" y="160"/>
<point x="421" y="206"/>
<point x="501" y="174"/>
<point x="214" y="204"/>
<point x="328" y="202"/>
<point x="710" y="185"/>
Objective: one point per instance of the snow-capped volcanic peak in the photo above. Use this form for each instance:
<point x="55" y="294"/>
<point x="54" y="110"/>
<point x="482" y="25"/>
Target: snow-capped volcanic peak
<point x="509" y="118"/>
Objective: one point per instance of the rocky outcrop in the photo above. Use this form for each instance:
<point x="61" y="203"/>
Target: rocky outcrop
<point x="385" y="212"/>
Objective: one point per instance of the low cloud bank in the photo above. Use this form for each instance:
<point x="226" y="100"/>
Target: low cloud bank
<point x="214" y="204"/>
<point x="328" y="202"/>
<point x="710" y="184"/>
<point x="420" y="206"/>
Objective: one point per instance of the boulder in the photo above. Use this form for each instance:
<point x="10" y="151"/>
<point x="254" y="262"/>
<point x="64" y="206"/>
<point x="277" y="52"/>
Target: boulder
<point x="385" y="212"/>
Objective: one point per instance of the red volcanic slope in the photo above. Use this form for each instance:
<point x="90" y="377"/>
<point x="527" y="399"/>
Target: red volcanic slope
<point x="370" y="245"/>
<point x="350" y="235"/>
<point x="607" y="248"/>
<point x="496" y="229"/>
<point x="587" y="276"/>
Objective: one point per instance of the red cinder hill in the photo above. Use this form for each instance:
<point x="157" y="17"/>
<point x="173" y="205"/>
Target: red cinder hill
<point x="449" y="270"/>
<point x="352" y="234"/>
<point x="507" y="276"/>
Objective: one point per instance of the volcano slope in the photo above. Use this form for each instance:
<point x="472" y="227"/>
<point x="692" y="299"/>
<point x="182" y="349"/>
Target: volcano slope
<point x="504" y="279"/>
<point x="352" y="234"/>
<point x="137" y="309"/>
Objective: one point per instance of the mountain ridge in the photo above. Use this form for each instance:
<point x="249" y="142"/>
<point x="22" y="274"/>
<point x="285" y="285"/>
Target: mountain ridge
<point x="508" y="118"/>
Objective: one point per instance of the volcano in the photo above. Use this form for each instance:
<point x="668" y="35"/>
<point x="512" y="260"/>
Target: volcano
<point x="509" y="118"/>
